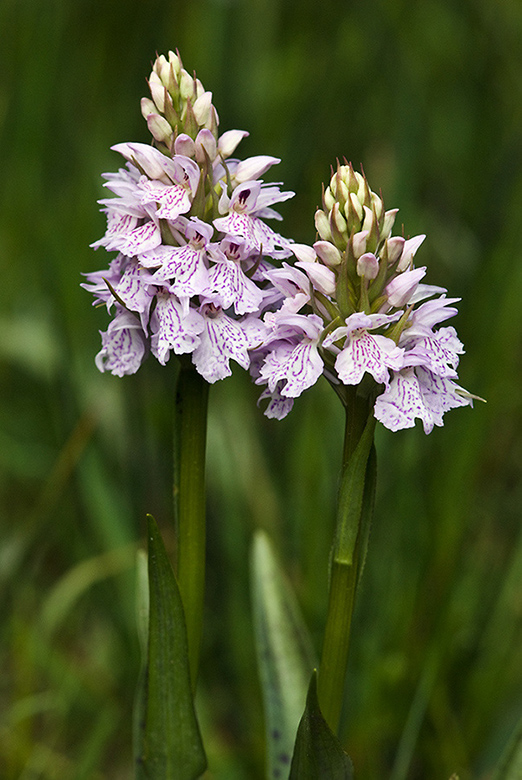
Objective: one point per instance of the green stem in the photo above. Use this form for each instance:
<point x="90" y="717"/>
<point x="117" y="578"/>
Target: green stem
<point x="189" y="499"/>
<point x="353" y="500"/>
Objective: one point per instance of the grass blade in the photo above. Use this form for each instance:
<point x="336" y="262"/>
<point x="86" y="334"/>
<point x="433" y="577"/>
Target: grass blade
<point x="284" y="655"/>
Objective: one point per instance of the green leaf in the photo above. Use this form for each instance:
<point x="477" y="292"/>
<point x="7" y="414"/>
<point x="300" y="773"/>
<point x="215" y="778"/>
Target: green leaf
<point x="170" y="746"/>
<point x="284" y="652"/>
<point x="318" y="754"/>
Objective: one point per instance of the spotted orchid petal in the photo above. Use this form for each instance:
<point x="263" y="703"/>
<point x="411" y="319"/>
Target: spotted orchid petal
<point x="123" y="346"/>
<point x="222" y="340"/>
<point x="366" y="352"/>
<point x="298" y="367"/>
<point x="229" y="286"/>
<point x="173" y="328"/>
<point x="402" y="403"/>
<point x="182" y="269"/>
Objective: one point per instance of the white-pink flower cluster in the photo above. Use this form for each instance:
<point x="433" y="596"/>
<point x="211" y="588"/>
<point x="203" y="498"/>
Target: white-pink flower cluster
<point x="356" y="310"/>
<point x="191" y="273"/>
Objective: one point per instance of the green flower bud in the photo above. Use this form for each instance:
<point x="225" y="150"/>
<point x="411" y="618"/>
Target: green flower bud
<point x="338" y="227"/>
<point x="354" y="213"/>
<point x="371" y="224"/>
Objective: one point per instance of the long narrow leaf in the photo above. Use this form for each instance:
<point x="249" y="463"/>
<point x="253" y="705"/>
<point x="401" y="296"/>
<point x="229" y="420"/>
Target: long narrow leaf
<point x="318" y="754"/>
<point x="170" y="744"/>
<point x="284" y="653"/>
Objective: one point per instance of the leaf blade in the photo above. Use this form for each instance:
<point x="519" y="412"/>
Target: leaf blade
<point x="318" y="753"/>
<point x="170" y="745"/>
<point x="285" y="656"/>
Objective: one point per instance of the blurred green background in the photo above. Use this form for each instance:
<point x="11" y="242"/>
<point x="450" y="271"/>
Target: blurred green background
<point x="427" y="96"/>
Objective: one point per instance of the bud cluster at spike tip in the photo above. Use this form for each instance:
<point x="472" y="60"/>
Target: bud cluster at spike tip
<point x="187" y="221"/>
<point x="356" y="310"/>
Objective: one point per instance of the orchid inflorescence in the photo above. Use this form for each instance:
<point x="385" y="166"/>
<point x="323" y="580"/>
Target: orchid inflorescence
<point x="199" y="271"/>
<point x="188" y="224"/>
<point x="354" y="309"/>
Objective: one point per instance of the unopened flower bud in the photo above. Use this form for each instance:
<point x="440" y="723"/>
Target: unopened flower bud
<point x="339" y="189"/>
<point x="202" y="107"/>
<point x="190" y="123"/>
<point x="186" y="85"/>
<point x="205" y="141"/>
<point x="377" y="206"/>
<point x="369" y="219"/>
<point x="359" y="243"/>
<point x="352" y="178"/>
<point x="185" y="145"/>
<point x="388" y="222"/>
<point x="160" y="128"/>
<point x="328" y="199"/>
<point x="364" y="194"/>
<point x="161" y="69"/>
<point x="327" y="253"/>
<point x="200" y="89"/>
<point x="368" y="266"/>
<point x="157" y="90"/>
<point x="393" y="248"/>
<point x="148" y="107"/>
<point x="408" y="252"/>
<point x="354" y="213"/>
<point x="175" y="63"/>
<point x="322" y="225"/>
<point x="338" y="226"/>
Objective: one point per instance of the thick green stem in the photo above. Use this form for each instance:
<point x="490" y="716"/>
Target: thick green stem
<point x="334" y="658"/>
<point x="189" y="500"/>
<point x="353" y="503"/>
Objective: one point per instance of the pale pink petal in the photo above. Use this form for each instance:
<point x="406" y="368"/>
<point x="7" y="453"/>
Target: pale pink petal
<point x="222" y="340"/>
<point x="402" y="403"/>
<point x="173" y="329"/>
<point x="365" y="352"/>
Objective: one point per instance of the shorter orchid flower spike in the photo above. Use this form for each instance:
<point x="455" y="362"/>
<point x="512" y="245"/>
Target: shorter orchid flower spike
<point x="364" y="325"/>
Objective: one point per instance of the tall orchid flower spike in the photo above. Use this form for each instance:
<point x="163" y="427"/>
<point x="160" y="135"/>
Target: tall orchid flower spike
<point x="190" y="279"/>
<point x="187" y="220"/>
<point x="361" y="285"/>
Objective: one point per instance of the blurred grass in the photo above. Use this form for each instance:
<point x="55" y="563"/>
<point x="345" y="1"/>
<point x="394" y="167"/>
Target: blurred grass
<point x="427" y="97"/>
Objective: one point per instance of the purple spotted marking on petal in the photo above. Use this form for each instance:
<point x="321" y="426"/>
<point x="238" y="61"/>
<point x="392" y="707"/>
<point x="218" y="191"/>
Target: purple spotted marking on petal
<point x="123" y="346"/>
<point x="222" y="340"/>
<point x="183" y="268"/>
<point x="230" y="286"/>
<point x="141" y="239"/>
<point x="173" y="329"/>
<point x="402" y="403"/>
<point x="365" y="352"/>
